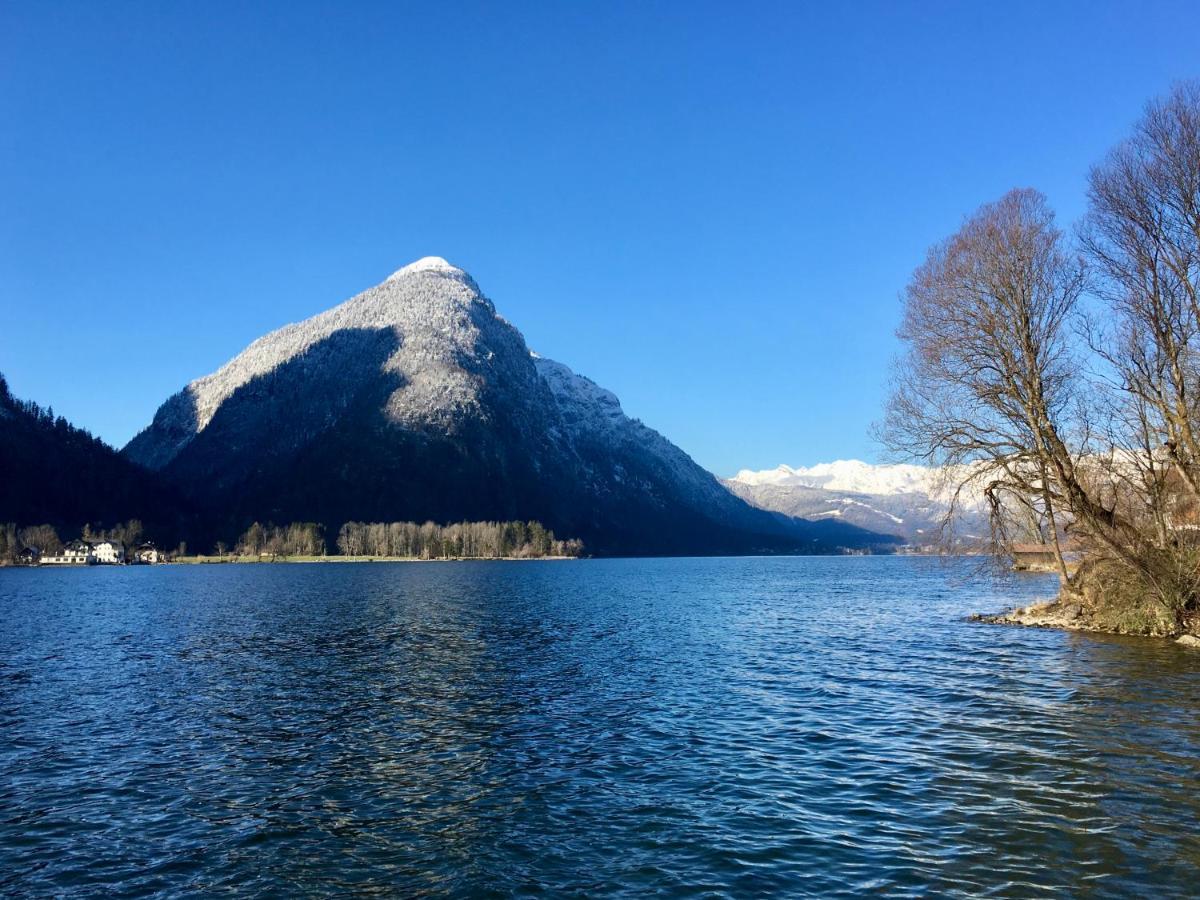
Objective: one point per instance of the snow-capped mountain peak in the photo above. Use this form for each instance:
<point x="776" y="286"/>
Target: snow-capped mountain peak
<point x="441" y="320"/>
<point x="426" y="264"/>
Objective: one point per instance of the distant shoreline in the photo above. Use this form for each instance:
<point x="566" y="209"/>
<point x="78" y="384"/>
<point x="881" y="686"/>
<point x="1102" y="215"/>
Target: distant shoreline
<point x="255" y="560"/>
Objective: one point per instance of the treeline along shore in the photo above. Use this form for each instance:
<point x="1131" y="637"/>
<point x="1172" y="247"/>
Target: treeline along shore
<point x="410" y="540"/>
<point x="302" y="541"/>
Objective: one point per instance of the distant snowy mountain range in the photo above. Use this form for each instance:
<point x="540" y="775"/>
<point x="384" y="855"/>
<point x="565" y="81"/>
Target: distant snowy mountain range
<point x="907" y="501"/>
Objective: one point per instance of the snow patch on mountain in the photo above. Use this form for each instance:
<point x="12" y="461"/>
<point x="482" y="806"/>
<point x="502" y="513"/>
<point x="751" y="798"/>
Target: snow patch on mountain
<point x="427" y="264"/>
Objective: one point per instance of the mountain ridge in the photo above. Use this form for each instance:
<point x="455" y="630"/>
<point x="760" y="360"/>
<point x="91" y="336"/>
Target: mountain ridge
<point x="415" y="399"/>
<point x="905" y="500"/>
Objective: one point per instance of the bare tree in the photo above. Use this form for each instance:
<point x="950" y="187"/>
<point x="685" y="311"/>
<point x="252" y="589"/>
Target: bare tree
<point x="1142" y="237"/>
<point x="1142" y="233"/>
<point x="988" y="379"/>
<point x="40" y="537"/>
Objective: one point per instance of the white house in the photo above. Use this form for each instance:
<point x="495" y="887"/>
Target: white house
<point x="76" y="553"/>
<point x="147" y="554"/>
<point x="109" y="553"/>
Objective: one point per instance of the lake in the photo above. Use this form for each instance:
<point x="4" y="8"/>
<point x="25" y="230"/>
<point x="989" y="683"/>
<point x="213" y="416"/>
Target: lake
<point x="688" y="727"/>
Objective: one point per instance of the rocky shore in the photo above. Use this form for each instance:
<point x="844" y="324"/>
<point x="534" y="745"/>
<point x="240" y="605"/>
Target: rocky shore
<point x="1074" y="615"/>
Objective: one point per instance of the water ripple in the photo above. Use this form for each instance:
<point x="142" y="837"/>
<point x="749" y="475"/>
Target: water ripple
<point x="738" y="727"/>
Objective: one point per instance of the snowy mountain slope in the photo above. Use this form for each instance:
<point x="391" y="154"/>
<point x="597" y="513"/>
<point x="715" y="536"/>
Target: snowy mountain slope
<point x="593" y="415"/>
<point x="851" y="475"/>
<point x="416" y="400"/>
<point x="904" y="500"/>
<point x="438" y="309"/>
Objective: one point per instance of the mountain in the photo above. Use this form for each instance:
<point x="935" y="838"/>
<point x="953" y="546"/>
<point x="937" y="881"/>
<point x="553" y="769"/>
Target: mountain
<point x="56" y="474"/>
<point x="907" y="501"/>
<point x="416" y="400"/>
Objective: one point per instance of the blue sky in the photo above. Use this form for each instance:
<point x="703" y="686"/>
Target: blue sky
<point x="710" y="209"/>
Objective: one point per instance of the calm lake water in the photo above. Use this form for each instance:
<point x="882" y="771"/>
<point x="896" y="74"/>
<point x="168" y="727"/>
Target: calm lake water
<point x="782" y="727"/>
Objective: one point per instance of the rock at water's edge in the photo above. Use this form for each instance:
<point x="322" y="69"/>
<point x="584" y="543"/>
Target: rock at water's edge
<point x="1075" y="616"/>
<point x="1052" y="614"/>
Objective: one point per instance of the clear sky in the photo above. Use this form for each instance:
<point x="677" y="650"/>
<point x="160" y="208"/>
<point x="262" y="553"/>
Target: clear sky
<point x="710" y="209"/>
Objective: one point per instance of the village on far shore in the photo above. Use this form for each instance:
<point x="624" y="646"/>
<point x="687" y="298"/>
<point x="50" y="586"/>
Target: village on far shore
<point x="93" y="553"/>
<point x="126" y="543"/>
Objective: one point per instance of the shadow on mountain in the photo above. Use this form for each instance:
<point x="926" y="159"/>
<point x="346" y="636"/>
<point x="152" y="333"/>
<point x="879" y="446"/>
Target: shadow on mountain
<point x="312" y="441"/>
<point x="253" y="441"/>
<point x="175" y="423"/>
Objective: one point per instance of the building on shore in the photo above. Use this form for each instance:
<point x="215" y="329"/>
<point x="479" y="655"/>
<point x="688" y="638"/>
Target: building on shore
<point x="109" y="553"/>
<point x="29" y="556"/>
<point x="147" y="554"/>
<point x="76" y="553"/>
<point x="1041" y="557"/>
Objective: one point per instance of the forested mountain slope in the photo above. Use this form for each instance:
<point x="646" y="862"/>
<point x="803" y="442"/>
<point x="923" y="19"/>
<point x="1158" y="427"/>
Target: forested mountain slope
<point x="54" y="473"/>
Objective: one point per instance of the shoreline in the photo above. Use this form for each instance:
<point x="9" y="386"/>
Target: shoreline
<point x="1068" y="615"/>
<point x="258" y="560"/>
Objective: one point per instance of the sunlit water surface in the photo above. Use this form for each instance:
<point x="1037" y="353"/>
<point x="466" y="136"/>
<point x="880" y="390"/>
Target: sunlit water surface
<point x="826" y="726"/>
